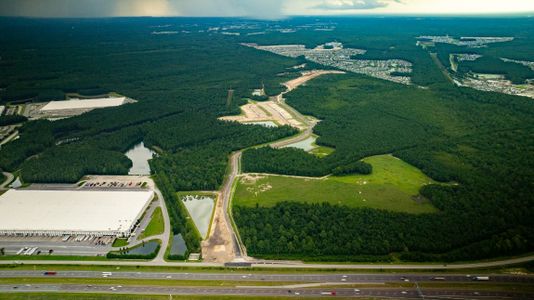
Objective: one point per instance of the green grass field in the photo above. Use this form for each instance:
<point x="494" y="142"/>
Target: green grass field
<point x="322" y="151"/>
<point x="394" y="185"/>
<point x="120" y="243"/>
<point x="155" y="226"/>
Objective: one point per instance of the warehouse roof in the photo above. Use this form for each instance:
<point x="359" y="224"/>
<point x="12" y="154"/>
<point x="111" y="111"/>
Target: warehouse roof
<point x="71" y="210"/>
<point x="83" y="104"/>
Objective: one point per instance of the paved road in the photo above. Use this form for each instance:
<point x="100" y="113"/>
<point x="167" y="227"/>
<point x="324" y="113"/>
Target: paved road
<point x="9" y="177"/>
<point x="284" y="265"/>
<point x="274" y="292"/>
<point x="235" y="160"/>
<point x="164" y="237"/>
<point x="160" y="258"/>
<point x="304" y="278"/>
<point x="226" y="194"/>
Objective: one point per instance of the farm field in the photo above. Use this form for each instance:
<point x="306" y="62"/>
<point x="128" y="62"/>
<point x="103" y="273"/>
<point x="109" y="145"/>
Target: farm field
<point x="394" y="185"/>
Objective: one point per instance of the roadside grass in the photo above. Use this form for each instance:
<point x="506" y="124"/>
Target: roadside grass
<point x="521" y="268"/>
<point x="393" y="185"/>
<point x="96" y="296"/>
<point x="155" y="226"/>
<point x="52" y="257"/>
<point x="120" y="243"/>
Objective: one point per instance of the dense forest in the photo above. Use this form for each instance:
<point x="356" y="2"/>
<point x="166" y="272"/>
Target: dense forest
<point x="480" y="141"/>
<point x="179" y="101"/>
<point x="12" y="119"/>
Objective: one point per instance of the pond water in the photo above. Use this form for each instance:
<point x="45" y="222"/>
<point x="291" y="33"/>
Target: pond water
<point x="306" y="145"/>
<point x="269" y="124"/>
<point x="146" y="249"/>
<point x="200" y="208"/>
<point x="139" y="155"/>
<point x="178" y="245"/>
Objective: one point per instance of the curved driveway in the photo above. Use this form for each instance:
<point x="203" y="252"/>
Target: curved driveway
<point x="9" y="177"/>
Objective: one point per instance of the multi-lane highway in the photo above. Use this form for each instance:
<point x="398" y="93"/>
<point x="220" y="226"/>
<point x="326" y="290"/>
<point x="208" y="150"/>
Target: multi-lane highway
<point x="363" y="285"/>
<point x="394" y="293"/>
<point x="305" y="278"/>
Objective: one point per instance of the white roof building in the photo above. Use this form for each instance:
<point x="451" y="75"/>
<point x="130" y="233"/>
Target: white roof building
<point x="83" y="104"/>
<point x="59" y="212"/>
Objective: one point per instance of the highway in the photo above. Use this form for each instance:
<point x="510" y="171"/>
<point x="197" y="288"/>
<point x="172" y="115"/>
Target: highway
<point x="283" y="265"/>
<point x="258" y="277"/>
<point x="394" y="293"/>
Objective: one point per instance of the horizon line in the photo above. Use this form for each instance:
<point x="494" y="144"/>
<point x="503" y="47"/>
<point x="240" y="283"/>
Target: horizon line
<point x="460" y="15"/>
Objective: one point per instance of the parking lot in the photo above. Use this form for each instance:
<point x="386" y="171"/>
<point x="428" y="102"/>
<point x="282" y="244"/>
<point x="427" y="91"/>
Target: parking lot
<point x="115" y="182"/>
<point x="77" y="245"/>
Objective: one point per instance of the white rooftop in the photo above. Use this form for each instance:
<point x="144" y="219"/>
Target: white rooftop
<point x="71" y="210"/>
<point x="83" y="103"/>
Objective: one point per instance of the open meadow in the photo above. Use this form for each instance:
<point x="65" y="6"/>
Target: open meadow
<point x="393" y="185"/>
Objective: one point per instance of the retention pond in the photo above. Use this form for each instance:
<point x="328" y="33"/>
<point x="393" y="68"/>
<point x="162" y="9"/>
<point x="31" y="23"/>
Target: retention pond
<point x="140" y="155"/>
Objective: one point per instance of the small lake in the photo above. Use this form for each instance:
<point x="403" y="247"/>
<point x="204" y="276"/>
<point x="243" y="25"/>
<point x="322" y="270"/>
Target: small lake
<point x="306" y="145"/>
<point x="200" y="208"/>
<point x="147" y="249"/>
<point x="178" y="246"/>
<point x="269" y="124"/>
<point x="139" y="155"/>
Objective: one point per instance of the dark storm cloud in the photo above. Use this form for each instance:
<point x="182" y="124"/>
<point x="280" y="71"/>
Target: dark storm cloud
<point x="57" y="8"/>
<point x="354" y="4"/>
<point x="267" y="9"/>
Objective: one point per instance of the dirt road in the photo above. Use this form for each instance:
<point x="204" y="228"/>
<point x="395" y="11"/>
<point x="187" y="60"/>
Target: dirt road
<point x="224" y="243"/>
<point x="307" y="76"/>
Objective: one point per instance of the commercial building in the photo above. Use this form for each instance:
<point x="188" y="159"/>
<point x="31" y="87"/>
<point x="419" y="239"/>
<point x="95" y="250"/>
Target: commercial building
<point x="83" y="104"/>
<point x="71" y="212"/>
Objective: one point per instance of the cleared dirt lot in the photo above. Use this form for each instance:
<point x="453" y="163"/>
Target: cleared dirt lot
<point x="265" y="111"/>
<point x="274" y="110"/>
<point x="306" y="76"/>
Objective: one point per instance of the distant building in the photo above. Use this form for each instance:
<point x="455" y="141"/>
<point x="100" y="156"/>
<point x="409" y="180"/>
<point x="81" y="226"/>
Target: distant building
<point x="71" y="212"/>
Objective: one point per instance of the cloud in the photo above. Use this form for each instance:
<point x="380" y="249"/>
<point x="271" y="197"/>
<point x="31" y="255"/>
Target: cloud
<point x="354" y="4"/>
<point x="262" y="9"/>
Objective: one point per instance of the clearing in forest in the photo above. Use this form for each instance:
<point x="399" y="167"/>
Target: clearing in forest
<point x="394" y="185"/>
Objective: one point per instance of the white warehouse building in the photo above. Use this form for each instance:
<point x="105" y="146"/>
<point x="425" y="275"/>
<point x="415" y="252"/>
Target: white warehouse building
<point x="71" y="212"/>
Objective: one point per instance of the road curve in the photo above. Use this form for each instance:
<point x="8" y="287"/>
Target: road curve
<point x="9" y="178"/>
<point x="165" y="236"/>
<point x="240" y="251"/>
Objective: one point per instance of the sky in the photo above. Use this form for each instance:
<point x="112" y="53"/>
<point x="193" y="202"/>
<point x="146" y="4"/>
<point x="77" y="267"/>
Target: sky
<point x="263" y="9"/>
